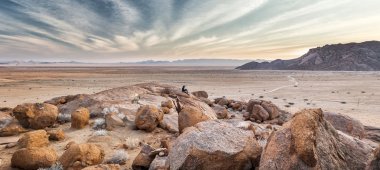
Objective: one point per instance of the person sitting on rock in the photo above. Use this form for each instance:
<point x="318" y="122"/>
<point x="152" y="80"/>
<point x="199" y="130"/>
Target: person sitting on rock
<point x="184" y="89"/>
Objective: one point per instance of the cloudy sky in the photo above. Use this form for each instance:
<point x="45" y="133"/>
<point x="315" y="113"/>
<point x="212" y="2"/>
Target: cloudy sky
<point x="133" y="30"/>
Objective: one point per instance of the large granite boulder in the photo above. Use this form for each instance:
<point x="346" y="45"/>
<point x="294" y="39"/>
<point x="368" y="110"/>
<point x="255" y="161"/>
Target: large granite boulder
<point x="200" y="94"/>
<point x="78" y="156"/>
<point x="148" y="117"/>
<point x="308" y="141"/>
<point x="36" y="116"/>
<point x="215" y="144"/>
<point x="346" y="124"/>
<point x="34" y="158"/>
<point x="37" y="138"/>
<point x="193" y="111"/>
<point x="170" y="122"/>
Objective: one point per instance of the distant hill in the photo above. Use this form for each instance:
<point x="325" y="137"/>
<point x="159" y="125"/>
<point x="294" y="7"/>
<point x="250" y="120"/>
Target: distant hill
<point x="198" y="62"/>
<point x="186" y="62"/>
<point x="363" y="56"/>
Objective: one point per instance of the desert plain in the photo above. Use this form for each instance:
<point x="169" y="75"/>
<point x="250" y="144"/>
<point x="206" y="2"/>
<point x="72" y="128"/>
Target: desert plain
<point x="356" y="94"/>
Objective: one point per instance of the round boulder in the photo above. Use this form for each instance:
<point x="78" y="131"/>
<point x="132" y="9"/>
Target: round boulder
<point x="37" y="138"/>
<point x="148" y="117"/>
<point x="221" y="112"/>
<point x="36" y="116"/>
<point x="215" y="144"/>
<point x="80" y="118"/>
<point x="190" y="116"/>
<point x="168" y="103"/>
<point x="34" y="158"/>
<point x="78" y="156"/>
<point x="200" y="94"/>
<point x="56" y="135"/>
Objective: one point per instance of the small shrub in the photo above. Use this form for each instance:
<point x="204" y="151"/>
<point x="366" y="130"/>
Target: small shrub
<point x="291" y="103"/>
<point x="63" y="118"/>
<point x="5" y="122"/>
<point x="101" y="132"/>
<point x="55" y="166"/>
<point x="121" y="116"/>
<point x="137" y="98"/>
<point x="132" y="143"/>
<point x="111" y="109"/>
<point x="119" y="157"/>
<point x="275" y="97"/>
<point x="99" y="123"/>
<point x="287" y="105"/>
<point x="261" y="97"/>
<point x="343" y="102"/>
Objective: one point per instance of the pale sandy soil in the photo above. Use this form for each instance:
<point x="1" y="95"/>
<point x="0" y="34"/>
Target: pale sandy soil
<point x="356" y="94"/>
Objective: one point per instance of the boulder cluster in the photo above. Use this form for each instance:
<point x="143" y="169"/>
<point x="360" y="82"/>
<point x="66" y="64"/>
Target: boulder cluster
<point x="182" y="131"/>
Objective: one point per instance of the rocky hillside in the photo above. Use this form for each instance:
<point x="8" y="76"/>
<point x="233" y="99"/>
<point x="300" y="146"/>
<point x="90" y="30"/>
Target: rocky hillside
<point x="156" y="126"/>
<point x="337" y="57"/>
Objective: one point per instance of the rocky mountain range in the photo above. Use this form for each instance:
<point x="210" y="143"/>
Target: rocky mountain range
<point x="363" y="56"/>
<point x="184" y="62"/>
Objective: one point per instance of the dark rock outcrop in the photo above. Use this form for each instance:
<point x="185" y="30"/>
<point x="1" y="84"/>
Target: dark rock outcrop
<point x="265" y="111"/>
<point x="346" y="124"/>
<point x="363" y="56"/>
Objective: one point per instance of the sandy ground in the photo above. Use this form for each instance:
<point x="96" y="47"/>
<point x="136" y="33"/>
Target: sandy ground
<point x="356" y="94"/>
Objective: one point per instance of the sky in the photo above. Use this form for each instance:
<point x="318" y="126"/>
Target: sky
<point x="136" y="30"/>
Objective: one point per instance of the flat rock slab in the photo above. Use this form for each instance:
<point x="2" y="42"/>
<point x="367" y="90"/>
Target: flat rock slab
<point x="10" y="139"/>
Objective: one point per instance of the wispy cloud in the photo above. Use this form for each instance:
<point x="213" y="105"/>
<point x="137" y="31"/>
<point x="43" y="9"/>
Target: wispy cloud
<point x="168" y="29"/>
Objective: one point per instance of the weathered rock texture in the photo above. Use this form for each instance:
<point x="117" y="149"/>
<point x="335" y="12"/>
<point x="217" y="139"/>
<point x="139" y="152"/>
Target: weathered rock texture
<point x="36" y="116"/>
<point x="170" y="122"/>
<point x="37" y="138"/>
<point x="363" y="56"/>
<point x="200" y="94"/>
<point x="193" y="111"/>
<point x="34" y="158"/>
<point x="143" y="159"/>
<point x="346" y="124"/>
<point x="308" y="141"/>
<point x="266" y="111"/>
<point x="56" y="135"/>
<point x="80" y="118"/>
<point x="221" y="112"/>
<point x="148" y="117"/>
<point x="215" y="144"/>
<point x="113" y="121"/>
<point x="78" y="156"/>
